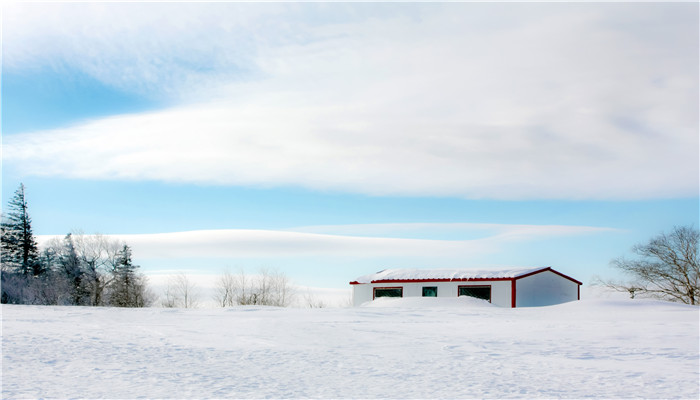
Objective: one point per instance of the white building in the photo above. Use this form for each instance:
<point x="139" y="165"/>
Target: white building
<point x="527" y="287"/>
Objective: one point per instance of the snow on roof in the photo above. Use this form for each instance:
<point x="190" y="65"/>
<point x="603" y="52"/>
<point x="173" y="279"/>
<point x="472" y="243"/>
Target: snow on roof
<point x="450" y="274"/>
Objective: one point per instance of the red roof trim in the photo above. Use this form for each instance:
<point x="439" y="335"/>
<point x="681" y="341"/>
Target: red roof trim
<point x="566" y="276"/>
<point x="469" y="279"/>
<point x="549" y="269"/>
<point x="437" y="280"/>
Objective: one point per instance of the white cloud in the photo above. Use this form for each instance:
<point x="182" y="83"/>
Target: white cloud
<point x="242" y="243"/>
<point x="361" y="241"/>
<point x="331" y="256"/>
<point x="471" y="100"/>
<point x="462" y="230"/>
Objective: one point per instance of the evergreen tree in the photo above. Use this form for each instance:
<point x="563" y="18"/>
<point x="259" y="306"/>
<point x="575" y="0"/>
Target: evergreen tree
<point x="127" y="287"/>
<point x="19" y="248"/>
<point x="70" y="268"/>
<point x="80" y="270"/>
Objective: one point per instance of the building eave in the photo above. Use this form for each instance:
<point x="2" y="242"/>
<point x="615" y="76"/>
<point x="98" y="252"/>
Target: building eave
<point x="492" y="279"/>
<point x="551" y="270"/>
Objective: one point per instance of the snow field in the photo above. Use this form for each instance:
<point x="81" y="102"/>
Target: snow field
<point x="394" y="349"/>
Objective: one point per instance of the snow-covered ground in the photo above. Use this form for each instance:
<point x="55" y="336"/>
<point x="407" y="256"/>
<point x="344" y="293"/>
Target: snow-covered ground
<point x="410" y="348"/>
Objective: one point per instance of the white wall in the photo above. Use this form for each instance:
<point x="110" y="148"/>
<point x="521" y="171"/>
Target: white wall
<point x="361" y="294"/>
<point x="544" y="289"/>
<point x="500" y="290"/>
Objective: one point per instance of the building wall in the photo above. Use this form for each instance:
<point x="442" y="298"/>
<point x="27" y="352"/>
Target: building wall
<point x="500" y="290"/>
<point x="544" y="289"/>
<point x="361" y="294"/>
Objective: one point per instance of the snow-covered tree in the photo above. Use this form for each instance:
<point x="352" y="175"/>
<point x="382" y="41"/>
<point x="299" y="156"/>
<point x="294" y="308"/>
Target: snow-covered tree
<point x="78" y="270"/>
<point x="70" y="269"/>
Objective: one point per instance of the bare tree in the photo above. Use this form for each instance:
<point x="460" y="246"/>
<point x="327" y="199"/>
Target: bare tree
<point x="99" y="257"/>
<point x="169" y="299"/>
<point x="225" y="290"/>
<point x="312" y="301"/>
<point x="268" y="288"/>
<point x="244" y="289"/>
<point x="667" y="267"/>
<point x="51" y="288"/>
<point x="276" y="288"/>
<point x="181" y="292"/>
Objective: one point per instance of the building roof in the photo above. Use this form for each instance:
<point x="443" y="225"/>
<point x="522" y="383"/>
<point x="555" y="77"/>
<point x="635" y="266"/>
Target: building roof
<point x="446" y="275"/>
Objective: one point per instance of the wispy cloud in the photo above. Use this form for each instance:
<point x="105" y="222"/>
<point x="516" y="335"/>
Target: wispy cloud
<point x="554" y="101"/>
<point x="160" y="50"/>
<point x="241" y="243"/>
<point x="461" y="230"/>
<point x="362" y="241"/>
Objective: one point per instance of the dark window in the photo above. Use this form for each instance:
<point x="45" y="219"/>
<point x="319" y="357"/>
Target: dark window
<point x="429" y="291"/>
<point x="388" y="292"/>
<point x="480" y="292"/>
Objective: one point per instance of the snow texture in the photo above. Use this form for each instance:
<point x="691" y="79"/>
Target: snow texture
<point x="424" y="274"/>
<point x="396" y="348"/>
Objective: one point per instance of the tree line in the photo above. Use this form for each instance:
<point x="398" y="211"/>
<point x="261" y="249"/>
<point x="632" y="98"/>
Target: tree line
<point x="96" y="270"/>
<point x="79" y="269"/>
<point x="266" y="288"/>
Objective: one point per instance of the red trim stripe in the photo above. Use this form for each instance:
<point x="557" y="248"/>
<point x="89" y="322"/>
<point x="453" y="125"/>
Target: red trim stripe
<point x="437" y="280"/>
<point x="470" y="279"/>
<point x="513" y="292"/>
<point x="548" y="269"/>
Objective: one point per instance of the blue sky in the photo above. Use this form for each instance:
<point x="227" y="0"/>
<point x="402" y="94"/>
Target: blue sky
<point x="332" y="140"/>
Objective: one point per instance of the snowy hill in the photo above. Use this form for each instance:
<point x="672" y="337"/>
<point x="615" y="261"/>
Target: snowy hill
<point x="453" y="349"/>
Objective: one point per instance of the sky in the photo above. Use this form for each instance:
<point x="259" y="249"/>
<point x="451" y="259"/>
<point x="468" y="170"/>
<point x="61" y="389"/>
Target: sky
<point x="333" y="140"/>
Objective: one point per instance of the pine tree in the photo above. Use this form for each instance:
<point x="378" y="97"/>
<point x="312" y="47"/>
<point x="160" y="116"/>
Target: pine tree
<point x="19" y="247"/>
<point x="127" y="287"/>
<point x="70" y="268"/>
